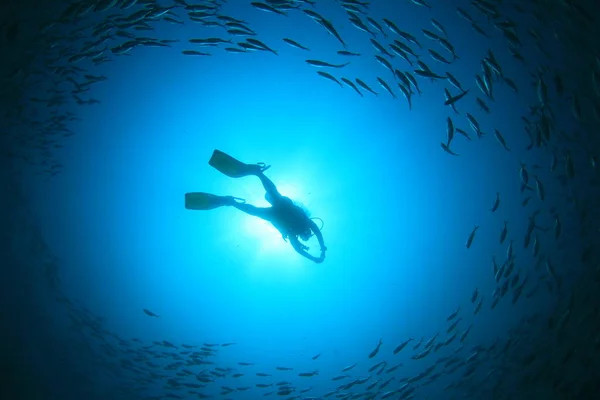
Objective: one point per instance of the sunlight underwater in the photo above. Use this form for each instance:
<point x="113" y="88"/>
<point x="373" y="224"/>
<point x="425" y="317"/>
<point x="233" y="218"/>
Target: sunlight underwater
<point x="454" y="232"/>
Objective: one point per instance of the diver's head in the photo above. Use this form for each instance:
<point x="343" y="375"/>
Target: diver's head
<point x="306" y="235"/>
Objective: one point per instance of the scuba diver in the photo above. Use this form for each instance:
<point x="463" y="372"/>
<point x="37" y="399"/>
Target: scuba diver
<point x="289" y="219"/>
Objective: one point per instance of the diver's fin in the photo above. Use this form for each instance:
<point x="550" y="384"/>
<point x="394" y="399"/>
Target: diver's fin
<point x="233" y="168"/>
<point x="205" y="201"/>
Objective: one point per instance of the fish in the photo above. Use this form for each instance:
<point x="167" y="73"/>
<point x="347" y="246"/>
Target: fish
<point x="348" y="53"/>
<point x="413" y="81"/>
<point x="495" y="301"/>
<point x="288" y="391"/>
<point x="150" y="313"/>
<point x="422" y="3"/>
<point x="504" y="232"/>
<point x="194" y="53"/>
<point x="349" y="367"/>
<point x="376" y="25"/>
<point x="456" y="98"/>
<point x="500" y="139"/>
<point x="449" y="130"/>
<point x="240" y="32"/>
<point x="453" y="325"/>
<point x="465" y="333"/>
<point x="480" y="30"/>
<point x="557" y="227"/>
<point x="465" y="15"/>
<point x="430" y="35"/>
<point x="449" y="47"/>
<point x="403" y="48"/>
<point x="403" y="79"/>
<point x="316" y="356"/>
<point x="318" y="63"/>
<point x="539" y="189"/>
<point x="379" y="364"/>
<point x="452" y="79"/>
<point x="209" y="41"/>
<point x="472" y="236"/>
<point x="453" y="314"/>
<point x="422" y="354"/>
<point x="314" y="15"/>
<point x="431" y="341"/>
<point x="267" y="8"/>
<point x="385" y="63"/>
<point x="410" y="38"/>
<point x="478" y="306"/>
<point x="376" y="349"/>
<point x="384" y="85"/>
<point x="295" y="44"/>
<point x="447" y="96"/>
<point x="447" y="149"/>
<point x="511" y="84"/>
<point x="463" y="133"/>
<point x="401" y="53"/>
<point x="235" y="50"/>
<point x="474" y="125"/>
<point x="474" y="295"/>
<point x="428" y="74"/>
<point x="391" y="26"/>
<point x="402" y="345"/>
<point x="482" y="86"/>
<point x="483" y="105"/>
<point x="523" y="173"/>
<point x="260" y="45"/>
<point x="509" y="254"/>
<point x="365" y="86"/>
<point x="372" y="385"/>
<point x="352" y="85"/>
<point x="448" y="341"/>
<point x="496" y="203"/>
<point x="360" y="25"/>
<point x="380" y="48"/>
<point x="407" y="95"/>
<point x="438" y="57"/>
<point x="329" y="77"/>
<point x="438" y="26"/>
<point x="308" y="374"/>
<point x="330" y="28"/>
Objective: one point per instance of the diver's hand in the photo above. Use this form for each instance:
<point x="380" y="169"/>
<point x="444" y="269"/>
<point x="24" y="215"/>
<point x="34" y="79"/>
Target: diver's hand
<point x="322" y="257"/>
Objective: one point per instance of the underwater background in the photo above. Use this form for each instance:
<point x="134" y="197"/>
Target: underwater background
<point x="458" y="190"/>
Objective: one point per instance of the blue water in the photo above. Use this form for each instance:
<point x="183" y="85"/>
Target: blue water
<point x="397" y="211"/>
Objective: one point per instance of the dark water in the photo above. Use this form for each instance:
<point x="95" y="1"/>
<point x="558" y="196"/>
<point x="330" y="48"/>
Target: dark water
<point x="99" y="144"/>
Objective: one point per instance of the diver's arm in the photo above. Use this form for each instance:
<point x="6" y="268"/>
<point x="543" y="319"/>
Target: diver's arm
<point x="300" y="249"/>
<point x="318" y="234"/>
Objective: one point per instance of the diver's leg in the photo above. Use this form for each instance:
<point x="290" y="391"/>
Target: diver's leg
<point x="272" y="192"/>
<point x="260" y="212"/>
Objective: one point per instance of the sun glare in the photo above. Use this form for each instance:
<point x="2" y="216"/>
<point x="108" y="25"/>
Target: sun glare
<point x="269" y="242"/>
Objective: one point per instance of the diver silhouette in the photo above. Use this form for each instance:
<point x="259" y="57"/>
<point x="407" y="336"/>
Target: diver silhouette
<point x="289" y="219"/>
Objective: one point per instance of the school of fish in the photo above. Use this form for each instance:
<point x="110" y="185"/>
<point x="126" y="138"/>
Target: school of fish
<point x="550" y="354"/>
